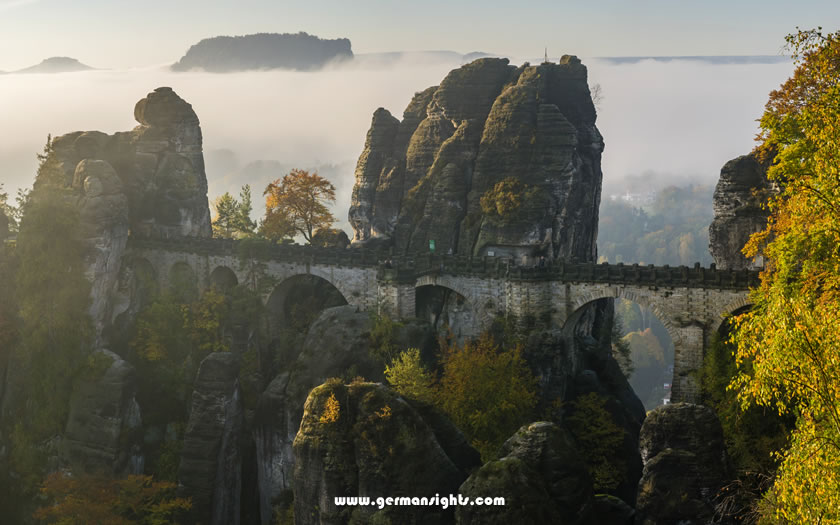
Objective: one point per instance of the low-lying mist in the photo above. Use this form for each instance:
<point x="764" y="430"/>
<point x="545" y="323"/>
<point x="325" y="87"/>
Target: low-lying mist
<point x="663" y="122"/>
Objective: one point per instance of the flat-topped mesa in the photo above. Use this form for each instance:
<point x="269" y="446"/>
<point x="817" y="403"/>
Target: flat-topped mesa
<point x="498" y="159"/>
<point x="160" y="164"/>
<point x="740" y="193"/>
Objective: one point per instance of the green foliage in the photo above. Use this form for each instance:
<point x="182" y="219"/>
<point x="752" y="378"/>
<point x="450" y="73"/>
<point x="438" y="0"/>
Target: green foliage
<point x="599" y="440"/>
<point x="101" y="500"/>
<point x="787" y="345"/>
<point x="621" y="350"/>
<point x="407" y="375"/>
<point x="753" y="435"/>
<point x="506" y="200"/>
<point x="165" y="466"/>
<point x="674" y="229"/>
<point x="487" y="391"/>
<point x="233" y="217"/>
<point x="383" y="346"/>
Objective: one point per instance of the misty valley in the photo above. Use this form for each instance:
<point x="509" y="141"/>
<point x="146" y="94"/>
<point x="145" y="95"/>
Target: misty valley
<point x="281" y="281"/>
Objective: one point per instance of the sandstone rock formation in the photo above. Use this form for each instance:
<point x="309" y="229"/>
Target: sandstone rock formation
<point x="103" y="433"/>
<point x="742" y="189"/>
<point x="149" y="181"/>
<point x="685" y="462"/>
<point x="338" y="344"/>
<point x="541" y="476"/>
<point x="422" y="178"/>
<point x="363" y="439"/>
<point x="210" y="472"/>
<point x="301" y="52"/>
<point x="159" y="163"/>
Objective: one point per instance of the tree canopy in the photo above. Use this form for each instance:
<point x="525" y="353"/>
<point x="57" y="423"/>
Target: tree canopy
<point x="233" y="217"/>
<point x="788" y="345"/>
<point x="297" y="205"/>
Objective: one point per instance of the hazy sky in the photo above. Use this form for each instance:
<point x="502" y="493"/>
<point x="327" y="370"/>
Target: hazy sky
<point x="120" y="33"/>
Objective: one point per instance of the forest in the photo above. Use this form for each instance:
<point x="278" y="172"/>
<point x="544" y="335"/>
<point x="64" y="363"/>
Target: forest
<point x="771" y="374"/>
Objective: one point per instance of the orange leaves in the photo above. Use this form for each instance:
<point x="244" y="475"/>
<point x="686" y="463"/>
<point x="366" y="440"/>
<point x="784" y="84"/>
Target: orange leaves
<point x="98" y="499"/>
<point x="297" y="205"/>
<point x="788" y="346"/>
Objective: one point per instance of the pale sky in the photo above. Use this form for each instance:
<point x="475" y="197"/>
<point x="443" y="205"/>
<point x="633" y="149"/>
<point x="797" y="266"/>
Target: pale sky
<point x="120" y="33"/>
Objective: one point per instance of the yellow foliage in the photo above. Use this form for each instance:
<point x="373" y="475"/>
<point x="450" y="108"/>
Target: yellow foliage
<point x="488" y="392"/>
<point x="788" y="345"/>
<point x="332" y="410"/>
<point x="407" y="375"/>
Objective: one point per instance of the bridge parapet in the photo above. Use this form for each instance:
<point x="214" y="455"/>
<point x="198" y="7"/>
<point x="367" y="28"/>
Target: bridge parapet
<point x="405" y="269"/>
<point x="408" y="268"/>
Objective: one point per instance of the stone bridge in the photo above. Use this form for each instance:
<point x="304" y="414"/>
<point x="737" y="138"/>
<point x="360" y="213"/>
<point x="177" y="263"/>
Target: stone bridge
<point x="690" y="302"/>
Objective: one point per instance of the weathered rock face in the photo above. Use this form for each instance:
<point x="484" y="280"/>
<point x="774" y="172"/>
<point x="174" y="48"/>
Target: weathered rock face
<point x="422" y="179"/>
<point x="210" y="472"/>
<point x="149" y="180"/>
<point x="363" y="439"/>
<point x="541" y="476"/>
<point x="742" y="189"/>
<point x="685" y="465"/>
<point x="337" y="345"/>
<point x="103" y="433"/>
<point x="104" y="219"/>
<point x="159" y="163"/>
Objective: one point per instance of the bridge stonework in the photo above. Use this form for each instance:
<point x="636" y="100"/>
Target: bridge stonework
<point x="690" y="302"/>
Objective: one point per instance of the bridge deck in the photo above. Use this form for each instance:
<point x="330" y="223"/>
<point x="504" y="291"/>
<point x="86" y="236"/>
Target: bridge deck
<point x="405" y="268"/>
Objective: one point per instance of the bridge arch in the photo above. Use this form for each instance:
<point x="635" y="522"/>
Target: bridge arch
<point x="183" y="282"/>
<point x="472" y="318"/>
<point x="620" y="292"/>
<point x="735" y="307"/>
<point x="223" y="278"/>
<point x="299" y="296"/>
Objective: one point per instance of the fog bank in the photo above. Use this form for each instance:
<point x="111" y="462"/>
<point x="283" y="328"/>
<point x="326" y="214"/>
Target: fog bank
<point x="674" y="121"/>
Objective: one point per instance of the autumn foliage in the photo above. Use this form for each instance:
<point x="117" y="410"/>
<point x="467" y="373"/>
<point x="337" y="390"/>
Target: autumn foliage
<point x="297" y="205"/>
<point x="788" y="345"/>
<point x="487" y="391"/>
<point x="106" y="501"/>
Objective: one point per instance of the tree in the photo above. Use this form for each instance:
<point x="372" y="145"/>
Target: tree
<point x="97" y="499"/>
<point x="407" y="375"/>
<point x="507" y="199"/>
<point x="486" y="391"/>
<point x="788" y="345"/>
<point x="233" y="217"/>
<point x="297" y="205"/>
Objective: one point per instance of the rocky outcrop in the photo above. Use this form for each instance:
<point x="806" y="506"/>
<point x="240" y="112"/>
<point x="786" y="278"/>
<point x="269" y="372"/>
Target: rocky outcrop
<point x="363" y="439"/>
<point x="739" y="195"/>
<point x="539" y="473"/>
<point x="300" y="52"/>
<point x="423" y="178"/>
<point x="159" y="163"/>
<point x="685" y="465"/>
<point x="338" y="344"/>
<point x="149" y="181"/>
<point x="210" y="472"/>
<point x="103" y="432"/>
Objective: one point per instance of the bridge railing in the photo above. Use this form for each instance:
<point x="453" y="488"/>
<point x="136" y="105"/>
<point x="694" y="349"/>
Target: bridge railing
<point x="404" y="268"/>
<point x="408" y="268"/>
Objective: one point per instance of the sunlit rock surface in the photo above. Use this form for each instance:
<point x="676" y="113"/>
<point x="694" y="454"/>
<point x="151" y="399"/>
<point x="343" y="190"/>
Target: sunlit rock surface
<point x="363" y="439"/>
<point x="740" y="193"/>
<point x="422" y="178"/>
